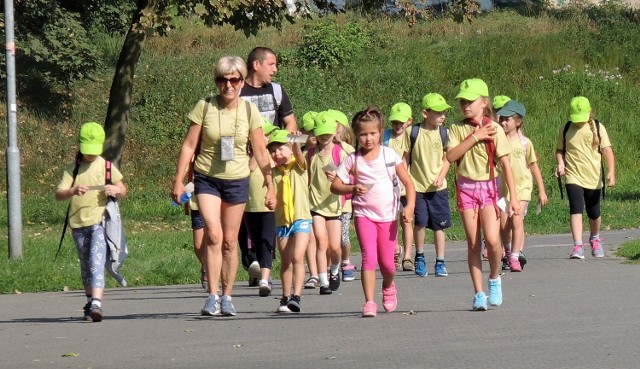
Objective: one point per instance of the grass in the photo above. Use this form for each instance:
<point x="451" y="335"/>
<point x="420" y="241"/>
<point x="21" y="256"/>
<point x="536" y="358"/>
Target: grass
<point x="540" y="60"/>
<point x="630" y="251"/>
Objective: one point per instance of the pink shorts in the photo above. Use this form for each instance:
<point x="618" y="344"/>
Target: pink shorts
<point x="475" y="194"/>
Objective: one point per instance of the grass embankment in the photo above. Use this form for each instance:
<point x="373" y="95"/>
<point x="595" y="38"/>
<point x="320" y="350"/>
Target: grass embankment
<point x="542" y="61"/>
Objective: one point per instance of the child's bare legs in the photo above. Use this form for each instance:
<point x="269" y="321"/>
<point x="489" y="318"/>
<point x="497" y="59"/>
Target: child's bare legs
<point x="418" y="238"/>
<point x="322" y="246"/>
<point x="334" y="227"/>
<point x="517" y="226"/>
<point x="300" y="242"/>
<point x="471" y="223"/>
<point x="439" y="240"/>
<point x="505" y="232"/>
<point x="491" y="230"/>
<point x="311" y="255"/>
<point x="286" y="267"/>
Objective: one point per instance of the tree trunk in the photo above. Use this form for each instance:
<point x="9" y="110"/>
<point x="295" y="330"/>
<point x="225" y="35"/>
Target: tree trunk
<point x="121" y="92"/>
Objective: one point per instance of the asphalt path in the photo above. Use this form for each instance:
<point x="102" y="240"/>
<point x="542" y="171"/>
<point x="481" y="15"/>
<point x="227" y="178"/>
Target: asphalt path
<point x="557" y="313"/>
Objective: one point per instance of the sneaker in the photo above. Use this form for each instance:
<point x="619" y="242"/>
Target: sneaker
<point x="440" y="269"/>
<point x="325" y="290"/>
<point x="294" y="304"/>
<point x="370" y="309"/>
<point x="397" y="262"/>
<point x="407" y="265"/>
<point x="264" y="289"/>
<point x="283" y="308"/>
<point x="390" y="298"/>
<point x="96" y="313"/>
<point x="226" y="306"/>
<point x="596" y="248"/>
<point x="514" y="264"/>
<point x="87" y="312"/>
<point x="577" y="252"/>
<point x="522" y="260"/>
<point x="211" y="306"/>
<point x="505" y="263"/>
<point x="254" y="274"/>
<point x="421" y="266"/>
<point x="204" y="279"/>
<point x="334" y="281"/>
<point x="495" y="292"/>
<point x="480" y="302"/>
<point x="348" y="272"/>
<point x="311" y="283"/>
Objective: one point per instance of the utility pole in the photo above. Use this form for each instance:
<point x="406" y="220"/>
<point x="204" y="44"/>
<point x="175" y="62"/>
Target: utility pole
<point x="14" y="196"/>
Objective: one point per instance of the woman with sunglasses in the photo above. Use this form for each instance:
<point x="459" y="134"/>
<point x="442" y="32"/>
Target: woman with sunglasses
<point x="218" y="135"/>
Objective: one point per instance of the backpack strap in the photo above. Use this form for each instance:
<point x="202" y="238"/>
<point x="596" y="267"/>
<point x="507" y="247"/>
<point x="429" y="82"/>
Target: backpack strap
<point x="413" y="136"/>
<point x="310" y="153"/>
<point x="335" y="153"/>
<point x="107" y="172"/>
<point x="564" y="137"/>
<point x="74" y="174"/>
<point x="444" y="137"/>
<point x="386" y="137"/>
<point x="277" y="93"/>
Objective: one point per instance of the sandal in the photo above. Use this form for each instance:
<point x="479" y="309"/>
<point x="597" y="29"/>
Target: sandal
<point x="407" y="265"/>
<point x="311" y="283"/>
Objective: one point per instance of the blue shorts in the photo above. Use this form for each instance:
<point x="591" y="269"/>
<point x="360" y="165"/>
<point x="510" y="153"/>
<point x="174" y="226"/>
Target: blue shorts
<point x="298" y="226"/>
<point x="231" y="191"/>
<point x="432" y="210"/>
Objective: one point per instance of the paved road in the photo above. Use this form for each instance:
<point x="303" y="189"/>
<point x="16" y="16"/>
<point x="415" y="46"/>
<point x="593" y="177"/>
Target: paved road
<point x="558" y="313"/>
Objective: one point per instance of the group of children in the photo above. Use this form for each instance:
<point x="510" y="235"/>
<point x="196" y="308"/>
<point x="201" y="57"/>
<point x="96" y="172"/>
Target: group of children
<point x="390" y="176"/>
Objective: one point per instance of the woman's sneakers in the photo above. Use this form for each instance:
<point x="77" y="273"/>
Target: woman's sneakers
<point x="389" y="298"/>
<point x="216" y="306"/>
<point x="369" y="309"/>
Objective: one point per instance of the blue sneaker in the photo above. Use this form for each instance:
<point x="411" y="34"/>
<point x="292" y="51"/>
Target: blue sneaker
<point x="211" y="306"/>
<point x="348" y="272"/>
<point x="480" y="302"/>
<point x="226" y="306"/>
<point x="420" y="265"/>
<point x="495" y="292"/>
<point x="440" y="269"/>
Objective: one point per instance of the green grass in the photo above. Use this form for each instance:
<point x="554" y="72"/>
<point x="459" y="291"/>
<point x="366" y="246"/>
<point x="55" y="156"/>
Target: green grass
<point x="630" y="251"/>
<point x="524" y="57"/>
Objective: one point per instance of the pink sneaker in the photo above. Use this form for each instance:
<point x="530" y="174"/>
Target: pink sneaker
<point x="370" y="309"/>
<point x="596" y="248"/>
<point x="514" y="264"/>
<point x="389" y="298"/>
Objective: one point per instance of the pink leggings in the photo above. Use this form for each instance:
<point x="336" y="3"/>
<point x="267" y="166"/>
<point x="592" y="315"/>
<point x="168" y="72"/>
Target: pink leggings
<point x="377" y="244"/>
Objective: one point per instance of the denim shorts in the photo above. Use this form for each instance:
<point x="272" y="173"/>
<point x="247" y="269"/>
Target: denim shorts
<point x="432" y="210"/>
<point x="298" y="226"/>
<point x="231" y="191"/>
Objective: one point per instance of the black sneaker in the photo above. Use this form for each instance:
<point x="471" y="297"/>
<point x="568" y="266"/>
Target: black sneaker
<point x="334" y="281"/>
<point x="325" y="290"/>
<point x="505" y="264"/>
<point x="522" y="260"/>
<point x="283" y="308"/>
<point x="294" y="304"/>
<point x="87" y="312"/>
<point x="96" y="314"/>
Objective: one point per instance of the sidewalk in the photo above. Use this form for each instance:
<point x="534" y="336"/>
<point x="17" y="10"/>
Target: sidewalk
<point x="557" y="313"/>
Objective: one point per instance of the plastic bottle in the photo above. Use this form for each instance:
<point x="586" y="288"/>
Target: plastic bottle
<point x="186" y="195"/>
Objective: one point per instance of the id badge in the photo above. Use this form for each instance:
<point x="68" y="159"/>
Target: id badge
<point x="227" y="152"/>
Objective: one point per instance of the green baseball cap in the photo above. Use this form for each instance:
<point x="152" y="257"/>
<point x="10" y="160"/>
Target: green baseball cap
<point x="279" y="135"/>
<point x="308" y="120"/>
<point x="324" y="124"/>
<point x="91" y="138"/>
<point x="579" y="109"/>
<point x="472" y="89"/>
<point x="339" y="116"/>
<point x="267" y="127"/>
<point x="512" y="107"/>
<point x="499" y="101"/>
<point x="400" y="112"/>
<point x="435" y="102"/>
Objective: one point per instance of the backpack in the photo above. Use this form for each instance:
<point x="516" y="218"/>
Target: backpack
<point x="564" y="152"/>
<point x="415" y="130"/>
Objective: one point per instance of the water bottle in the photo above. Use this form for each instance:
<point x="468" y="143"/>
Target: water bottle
<point x="186" y="195"/>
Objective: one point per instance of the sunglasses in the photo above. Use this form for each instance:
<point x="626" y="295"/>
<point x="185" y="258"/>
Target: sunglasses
<point x="233" y="80"/>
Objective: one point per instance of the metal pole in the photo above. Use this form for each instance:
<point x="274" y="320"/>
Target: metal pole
<point x="14" y="197"/>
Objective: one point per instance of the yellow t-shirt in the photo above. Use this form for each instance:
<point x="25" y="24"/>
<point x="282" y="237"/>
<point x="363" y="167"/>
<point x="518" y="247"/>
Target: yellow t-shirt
<point x="401" y="144"/>
<point x="582" y="160"/>
<point x="474" y="164"/>
<point x="347" y="207"/>
<point x="257" y="193"/>
<point x="220" y="122"/>
<point x="87" y="210"/>
<point x="300" y="187"/>
<point x="321" y="200"/>
<point x="520" y="161"/>
<point x="427" y="160"/>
